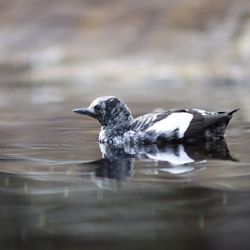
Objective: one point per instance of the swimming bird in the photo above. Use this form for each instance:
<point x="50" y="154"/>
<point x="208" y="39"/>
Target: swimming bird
<point x="119" y="127"/>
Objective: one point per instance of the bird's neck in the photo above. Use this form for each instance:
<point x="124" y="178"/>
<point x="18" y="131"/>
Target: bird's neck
<point x="118" y="124"/>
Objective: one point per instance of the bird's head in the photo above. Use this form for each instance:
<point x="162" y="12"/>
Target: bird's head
<point x="109" y="111"/>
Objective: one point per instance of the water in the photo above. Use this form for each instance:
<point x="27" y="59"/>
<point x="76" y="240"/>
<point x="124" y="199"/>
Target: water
<point x="57" y="192"/>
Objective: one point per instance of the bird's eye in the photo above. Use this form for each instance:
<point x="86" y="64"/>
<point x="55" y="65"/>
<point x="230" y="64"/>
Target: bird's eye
<point x="97" y="108"/>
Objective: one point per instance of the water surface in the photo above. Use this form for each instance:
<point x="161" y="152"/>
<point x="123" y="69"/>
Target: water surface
<point x="57" y="192"/>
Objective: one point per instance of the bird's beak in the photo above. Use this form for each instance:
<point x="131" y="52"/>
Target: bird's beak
<point x="84" y="111"/>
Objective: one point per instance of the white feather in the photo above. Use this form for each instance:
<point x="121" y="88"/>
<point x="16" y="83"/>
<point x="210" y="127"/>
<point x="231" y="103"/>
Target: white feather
<point x="97" y="101"/>
<point x="176" y="121"/>
<point x="102" y="135"/>
<point x="204" y="112"/>
<point x="102" y="147"/>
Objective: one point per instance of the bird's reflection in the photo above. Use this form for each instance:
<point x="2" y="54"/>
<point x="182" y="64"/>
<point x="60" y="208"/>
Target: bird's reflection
<point x="117" y="163"/>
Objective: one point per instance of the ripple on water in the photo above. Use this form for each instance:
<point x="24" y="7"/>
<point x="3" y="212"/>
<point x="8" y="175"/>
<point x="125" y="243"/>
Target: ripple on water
<point x="56" y="187"/>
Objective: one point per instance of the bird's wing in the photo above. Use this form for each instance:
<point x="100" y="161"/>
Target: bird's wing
<point x="173" y="121"/>
<point x="143" y="122"/>
<point x="174" y="124"/>
<point x="182" y="122"/>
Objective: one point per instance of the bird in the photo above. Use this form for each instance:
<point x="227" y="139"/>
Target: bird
<point x="120" y="128"/>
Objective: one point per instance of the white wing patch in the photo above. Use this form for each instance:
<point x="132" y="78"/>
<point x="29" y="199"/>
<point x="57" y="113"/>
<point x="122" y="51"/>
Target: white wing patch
<point x="176" y="121"/>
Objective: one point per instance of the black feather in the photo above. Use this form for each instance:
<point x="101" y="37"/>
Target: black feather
<point x="211" y="124"/>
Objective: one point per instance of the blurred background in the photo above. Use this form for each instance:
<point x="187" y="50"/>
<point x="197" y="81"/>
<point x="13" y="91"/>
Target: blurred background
<point x="185" y="52"/>
<point x="56" y="55"/>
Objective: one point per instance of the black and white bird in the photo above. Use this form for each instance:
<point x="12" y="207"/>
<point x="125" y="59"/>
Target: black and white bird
<point x="174" y="126"/>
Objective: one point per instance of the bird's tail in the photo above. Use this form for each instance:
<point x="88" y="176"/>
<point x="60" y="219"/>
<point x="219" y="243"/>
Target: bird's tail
<point x="232" y="112"/>
<point x="229" y="115"/>
<point x="217" y="129"/>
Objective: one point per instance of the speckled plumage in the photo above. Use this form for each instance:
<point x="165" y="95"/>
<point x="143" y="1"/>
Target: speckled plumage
<point x="120" y="128"/>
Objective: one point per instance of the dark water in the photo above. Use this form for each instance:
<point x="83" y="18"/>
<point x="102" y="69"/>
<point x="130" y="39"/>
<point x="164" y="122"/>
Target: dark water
<point x="58" y="193"/>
